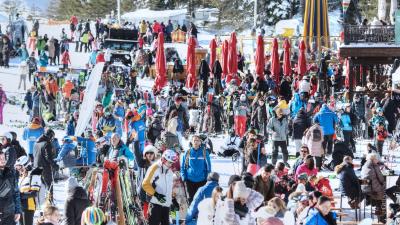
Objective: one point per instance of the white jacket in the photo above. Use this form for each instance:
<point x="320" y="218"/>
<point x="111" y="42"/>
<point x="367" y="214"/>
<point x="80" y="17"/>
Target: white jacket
<point x="194" y="115"/>
<point x="162" y="178"/>
<point x="172" y="125"/>
<point x="304" y="86"/>
<point x="206" y="212"/>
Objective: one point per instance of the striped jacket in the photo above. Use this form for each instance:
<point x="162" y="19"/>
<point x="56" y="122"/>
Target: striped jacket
<point x="28" y="186"/>
<point x="159" y="179"/>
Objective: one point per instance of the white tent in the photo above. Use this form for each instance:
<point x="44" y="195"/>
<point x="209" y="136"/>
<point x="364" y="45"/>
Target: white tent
<point x="177" y="16"/>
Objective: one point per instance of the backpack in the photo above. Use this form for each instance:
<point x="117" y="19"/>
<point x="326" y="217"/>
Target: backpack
<point x="316" y="135"/>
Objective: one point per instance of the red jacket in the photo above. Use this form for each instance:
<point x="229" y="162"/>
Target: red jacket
<point x="100" y="58"/>
<point x="156" y="28"/>
<point x="65" y="58"/>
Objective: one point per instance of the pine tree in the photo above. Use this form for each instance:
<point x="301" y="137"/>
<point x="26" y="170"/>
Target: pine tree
<point x="52" y="11"/>
<point x="127" y="6"/>
<point x="271" y="11"/>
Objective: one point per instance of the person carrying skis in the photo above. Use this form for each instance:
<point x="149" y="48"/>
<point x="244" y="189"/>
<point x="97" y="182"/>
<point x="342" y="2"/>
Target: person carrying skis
<point x="195" y="166"/>
<point x="158" y="184"/>
<point x="31" y="134"/>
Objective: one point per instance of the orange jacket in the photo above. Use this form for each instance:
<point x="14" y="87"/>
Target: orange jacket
<point x="51" y="87"/>
<point x="67" y="88"/>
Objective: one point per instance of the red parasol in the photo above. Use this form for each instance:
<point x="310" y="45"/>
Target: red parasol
<point x="260" y="60"/>
<point x="213" y="53"/>
<point x="347" y="72"/>
<point x="275" y="64"/>
<point x="232" y="59"/>
<point x="225" y="63"/>
<point x="161" y="78"/>
<point x="191" y="64"/>
<point x="301" y="62"/>
<point x="287" y="68"/>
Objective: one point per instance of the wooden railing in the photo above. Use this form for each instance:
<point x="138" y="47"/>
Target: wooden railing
<point x="368" y="34"/>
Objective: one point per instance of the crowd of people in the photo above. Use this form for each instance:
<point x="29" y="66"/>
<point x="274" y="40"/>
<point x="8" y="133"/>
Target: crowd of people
<point x="150" y="129"/>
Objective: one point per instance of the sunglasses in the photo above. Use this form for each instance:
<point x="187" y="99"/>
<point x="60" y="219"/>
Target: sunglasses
<point x="304" y="151"/>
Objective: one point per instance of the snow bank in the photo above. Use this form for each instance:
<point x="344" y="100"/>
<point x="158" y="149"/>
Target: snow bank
<point x="176" y="16"/>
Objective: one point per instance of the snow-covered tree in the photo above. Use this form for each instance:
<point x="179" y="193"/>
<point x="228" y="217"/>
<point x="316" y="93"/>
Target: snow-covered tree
<point x="271" y="11"/>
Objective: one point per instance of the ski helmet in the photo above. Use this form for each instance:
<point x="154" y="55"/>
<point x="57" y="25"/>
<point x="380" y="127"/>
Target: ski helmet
<point x="169" y="155"/>
<point x="92" y="216"/>
<point x="23" y="161"/>
<point x="242" y="97"/>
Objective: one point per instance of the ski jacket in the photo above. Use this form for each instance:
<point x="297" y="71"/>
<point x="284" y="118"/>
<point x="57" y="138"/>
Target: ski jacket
<point x="317" y="218"/>
<point x="347" y="120"/>
<point x="119" y="151"/>
<point x="77" y="202"/>
<point x="295" y="105"/>
<point x="29" y="186"/>
<point x="106" y="124"/>
<point x="315" y="147"/>
<point x="304" y="169"/>
<point x="300" y="123"/>
<point x="159" y="179"/>
<point x="206" y="213"/>
<point x="23" y="52"/>
<point x="10" y="204"/>
<point x="88" y="152"/>
<point x="231" y="143"/>
<point x="195" y="165"/>
<point x="31" y="134"/>
<point x="140" y="128"/>
<point x="66" y="148"/>
<point x="10" y="154"/>
<point x="358" y="108"/>
<point x="201" y="194"/>
<point x="67" y="89"/>
<point x="376" y="186"/>
<point x="327" y="119"/>
<point x="241" y="108"/>
<point x="44" y="154"/>
<point x="278" y="128"/>
<point x="375" y="120"/>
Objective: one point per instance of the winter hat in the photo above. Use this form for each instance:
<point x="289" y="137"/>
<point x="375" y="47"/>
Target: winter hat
<point x="149" y="149"/>
<point x="240" y="190"/>
<point x="233" y="178"/>
<point x="71" y="183"/>
<point x="213" y="176"/>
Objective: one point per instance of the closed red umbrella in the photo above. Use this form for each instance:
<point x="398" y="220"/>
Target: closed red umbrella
<point x="191" y="64"/>
<point x="287" y="68"/>
<point x="161" y="71"/>
<point x="347" y="73"/>
<point x="301" y="62"/>
<point x="275" y="64"/>
<point x="213" y="53"/>
<point x="260" y="58"/>
<point x="225" y="63"/>
<point x="232" y="59"/>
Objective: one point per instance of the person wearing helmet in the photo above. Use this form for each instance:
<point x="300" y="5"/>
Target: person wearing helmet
<point x="347" y="121"/>
<point x="136" y="130"/>
<point x="8" y="149"/>
<point x="119" y="149"/>
<point x="155" y="127"/>
<point x="107" y="122"/>
<point x="10" y="204"/>
<point x="29" y="187"/>
<point x="242" y="109"/>
<point x="44" y="159"/>
<point x="158" y="184"/>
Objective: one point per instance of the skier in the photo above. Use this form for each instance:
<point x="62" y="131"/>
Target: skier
<point x="327" y="119"/>
<point x="119" y="114"/>
<point x="241" y="111"/>
<point x="231" y="145"/>
<point x="31" y="134"/>
<point x="158" y="184"/>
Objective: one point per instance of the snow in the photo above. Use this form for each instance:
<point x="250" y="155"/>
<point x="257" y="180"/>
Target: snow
<point x="176" y="16"/>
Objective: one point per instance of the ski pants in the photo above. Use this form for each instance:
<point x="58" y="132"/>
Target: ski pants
<point x="379" y="146"/>
<point x="27" y="217"/>
<point x="327" y="144"/>
<point x="158" y="215"/>
<point x="275" y="146"/>
<point x="240" y="125"/>
<point x="192" y="188"/>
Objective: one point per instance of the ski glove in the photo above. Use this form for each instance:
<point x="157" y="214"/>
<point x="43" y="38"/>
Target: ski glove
<point x="160" y="197"/>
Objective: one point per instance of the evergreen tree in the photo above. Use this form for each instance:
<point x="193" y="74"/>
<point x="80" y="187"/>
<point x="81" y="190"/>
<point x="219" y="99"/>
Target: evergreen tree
<point x="271" y="11"/>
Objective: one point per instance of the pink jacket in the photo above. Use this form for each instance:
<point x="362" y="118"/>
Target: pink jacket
<point x="304" y="169"/>
<point x="315" y="147"/>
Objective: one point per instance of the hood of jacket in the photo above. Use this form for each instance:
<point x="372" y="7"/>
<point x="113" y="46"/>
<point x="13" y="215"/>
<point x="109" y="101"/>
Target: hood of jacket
<point x="77" y="193"/>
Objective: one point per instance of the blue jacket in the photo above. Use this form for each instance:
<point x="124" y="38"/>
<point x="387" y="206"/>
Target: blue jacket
<point x="142" y="112"/>
<point x="43" y="60"/>
<point x="65" y="149"/>
<point x="88" y="153"/>
<point x="107" y="125"/>
<point x="345" y="122"/>
<point x="202" y="193"/>
<point x="24" y="55"/>
<point x="198" y="167"/>
<point x="70" y="128"/>
<point x="140" y="128"/>
<point x="327" y="119"/>
<point x="316" y="218"/>
<point x="296" y="105"/>
<point x="92" y="58"/>
<point x="31" y="134"/>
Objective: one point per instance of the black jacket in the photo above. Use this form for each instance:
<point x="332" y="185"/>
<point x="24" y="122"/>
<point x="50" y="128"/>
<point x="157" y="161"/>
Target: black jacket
<point x="44" y="154"/>
<point x="217" y="70"/>
<point x="300" y="123"/>
<point x="10" y="202"/>
<point x="11" y="155"/>
<point x="349" y="184"/>
<point x="340" y="150"/>
<point x="76" y="203"/>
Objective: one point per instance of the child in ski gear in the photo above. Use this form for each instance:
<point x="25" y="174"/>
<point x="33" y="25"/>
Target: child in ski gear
<point x="158" y="184"/>
<point x="378" y="118"/>
<point x="381" y="135"/>
<point x="195" y="166"/>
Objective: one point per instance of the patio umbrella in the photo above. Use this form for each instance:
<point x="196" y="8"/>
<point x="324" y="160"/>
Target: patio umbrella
<point x="260" y="60"/>
<point x="301" y="62"/>
<point x="232" y="58"/>
<point x="225" y="63"/>
<point x="275" y="64"/>
<point x="161" y="72"/>
<point x="316" y="24"/>
<point x="213" y="53"/>
<point x="347" y="72"/>
<point x="191" y="64"/>
<point x="287" y="68"/>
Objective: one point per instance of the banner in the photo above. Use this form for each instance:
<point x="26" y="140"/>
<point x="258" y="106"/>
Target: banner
<point x="89" y="99"/>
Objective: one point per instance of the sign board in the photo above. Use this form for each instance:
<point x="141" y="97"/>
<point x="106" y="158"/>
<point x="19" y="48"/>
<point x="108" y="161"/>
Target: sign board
<point x="397" y="27"/>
